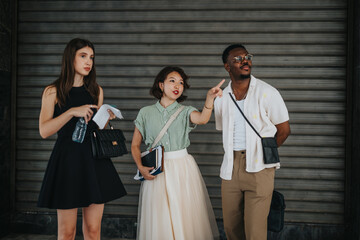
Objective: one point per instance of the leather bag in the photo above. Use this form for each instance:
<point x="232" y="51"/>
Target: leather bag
<point x="277" y="212"/>
<point x="270" y="150"/>
<point x="108" y="143"/>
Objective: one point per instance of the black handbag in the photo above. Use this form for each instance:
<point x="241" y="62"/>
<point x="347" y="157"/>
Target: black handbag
<point x="108" y="143"/>
<point x="269" y="145"/>
<point x="270" y="150"/>
<point x="277" y="212"/>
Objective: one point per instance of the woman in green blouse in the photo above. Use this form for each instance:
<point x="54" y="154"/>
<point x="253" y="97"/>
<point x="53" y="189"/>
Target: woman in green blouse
<point x="173" y="204"/>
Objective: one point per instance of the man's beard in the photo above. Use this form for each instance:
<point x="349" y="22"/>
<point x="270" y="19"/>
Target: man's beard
<point x="244" y="76"/>
<point x="247" y="76"/>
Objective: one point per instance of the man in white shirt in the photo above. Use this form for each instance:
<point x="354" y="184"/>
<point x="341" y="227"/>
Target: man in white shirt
<point x="247" y="183"/>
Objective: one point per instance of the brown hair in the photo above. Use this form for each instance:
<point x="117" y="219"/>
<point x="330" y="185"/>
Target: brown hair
<point x="162" y="75"/>
<point x="65" y="81"/>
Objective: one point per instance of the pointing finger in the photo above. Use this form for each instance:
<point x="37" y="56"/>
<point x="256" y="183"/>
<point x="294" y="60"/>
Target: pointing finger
<point x="220" y="83"/>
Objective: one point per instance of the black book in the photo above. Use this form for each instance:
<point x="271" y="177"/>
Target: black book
<point x="150" y="159"/>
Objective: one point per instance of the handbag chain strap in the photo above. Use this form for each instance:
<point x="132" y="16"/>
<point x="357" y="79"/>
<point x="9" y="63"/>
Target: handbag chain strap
<point x="167" y="125"/>
<point x="244" y="116"/>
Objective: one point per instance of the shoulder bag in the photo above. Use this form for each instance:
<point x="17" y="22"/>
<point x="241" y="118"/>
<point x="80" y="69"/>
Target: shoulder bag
<point x="108" y="143"/>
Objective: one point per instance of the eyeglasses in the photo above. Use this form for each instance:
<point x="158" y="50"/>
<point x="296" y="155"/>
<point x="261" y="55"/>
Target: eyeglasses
<point x="240" y="59"/>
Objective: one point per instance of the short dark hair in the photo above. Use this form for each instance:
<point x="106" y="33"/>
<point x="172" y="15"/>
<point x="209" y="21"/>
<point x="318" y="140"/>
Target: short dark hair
<point x="227" y="50"/>
<point x="162" y="75"/>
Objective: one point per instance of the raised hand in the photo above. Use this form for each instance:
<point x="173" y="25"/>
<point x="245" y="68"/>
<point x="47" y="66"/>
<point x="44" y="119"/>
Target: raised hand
<point x="203" y="117"/>
<point x="216" y="91"/>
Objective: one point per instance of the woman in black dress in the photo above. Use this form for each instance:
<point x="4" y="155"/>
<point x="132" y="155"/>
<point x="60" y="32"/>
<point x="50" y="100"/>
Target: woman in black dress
<point x="73" y="178"/>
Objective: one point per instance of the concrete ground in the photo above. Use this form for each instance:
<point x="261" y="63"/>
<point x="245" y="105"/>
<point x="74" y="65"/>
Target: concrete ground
<point x="14" y="236"/>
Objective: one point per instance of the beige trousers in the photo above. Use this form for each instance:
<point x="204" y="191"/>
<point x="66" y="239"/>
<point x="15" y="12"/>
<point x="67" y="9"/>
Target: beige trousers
<point x="246" y="200"/>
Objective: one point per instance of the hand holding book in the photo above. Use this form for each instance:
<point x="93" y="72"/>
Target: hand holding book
<point x="154" y="158"/>
<point x="144" y="173"/>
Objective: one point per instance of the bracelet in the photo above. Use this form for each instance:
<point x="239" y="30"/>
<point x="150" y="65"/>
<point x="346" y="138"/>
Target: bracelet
<point x="207" y="107"/>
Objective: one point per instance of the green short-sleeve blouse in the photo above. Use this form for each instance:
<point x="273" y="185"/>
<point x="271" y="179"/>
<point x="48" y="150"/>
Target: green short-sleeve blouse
<point x="151" y="119"/>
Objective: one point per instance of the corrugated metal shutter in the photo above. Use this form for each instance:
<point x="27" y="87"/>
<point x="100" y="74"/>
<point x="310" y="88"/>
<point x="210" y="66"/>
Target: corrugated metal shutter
<point x="299" y="47"/>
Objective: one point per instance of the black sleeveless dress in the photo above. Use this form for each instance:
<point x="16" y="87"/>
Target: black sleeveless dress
<point x="73" y="178"/>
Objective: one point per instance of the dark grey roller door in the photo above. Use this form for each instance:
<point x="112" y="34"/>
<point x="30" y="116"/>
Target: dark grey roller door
<point x="299" y="47"/>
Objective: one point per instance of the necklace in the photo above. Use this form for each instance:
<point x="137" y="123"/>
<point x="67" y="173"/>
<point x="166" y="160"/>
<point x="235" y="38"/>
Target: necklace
<point x="243" y="95"/>
<point x="240" y="91"/>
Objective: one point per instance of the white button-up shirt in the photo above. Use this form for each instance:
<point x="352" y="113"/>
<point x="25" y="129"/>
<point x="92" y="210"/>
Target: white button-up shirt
<point x="264" y="108"/>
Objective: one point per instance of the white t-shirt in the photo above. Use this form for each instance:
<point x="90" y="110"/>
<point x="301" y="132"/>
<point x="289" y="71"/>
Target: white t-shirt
<point x="264" y="108"/>
<point x="239" y="128"/>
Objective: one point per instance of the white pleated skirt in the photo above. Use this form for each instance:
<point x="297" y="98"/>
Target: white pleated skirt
<point x="176" y="204"/>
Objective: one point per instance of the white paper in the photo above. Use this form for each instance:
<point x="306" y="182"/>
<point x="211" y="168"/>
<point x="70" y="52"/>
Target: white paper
<point x="102" y="115"/>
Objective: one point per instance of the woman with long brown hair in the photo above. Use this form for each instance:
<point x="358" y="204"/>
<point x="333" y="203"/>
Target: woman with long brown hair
<point x="73" y="178"/>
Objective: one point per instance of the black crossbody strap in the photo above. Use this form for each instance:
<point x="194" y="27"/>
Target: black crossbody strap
<point x="244" y="116"/>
